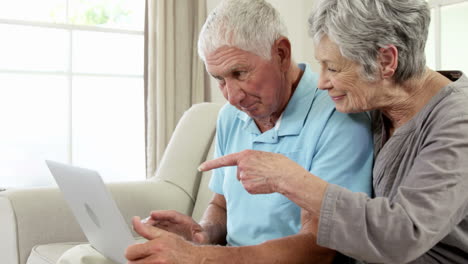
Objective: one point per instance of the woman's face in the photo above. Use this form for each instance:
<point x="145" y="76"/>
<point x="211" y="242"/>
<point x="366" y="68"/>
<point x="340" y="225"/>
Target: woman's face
<point x="341" y="78"/>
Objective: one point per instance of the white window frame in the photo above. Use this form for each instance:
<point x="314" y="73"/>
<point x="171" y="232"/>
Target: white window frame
<point x="69" y="73"/>
<point x="436" y="5"/>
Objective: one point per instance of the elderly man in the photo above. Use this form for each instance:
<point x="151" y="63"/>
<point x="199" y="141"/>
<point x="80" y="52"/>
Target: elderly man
<point x="420" y="213"/>
<point x="274" y="106"/>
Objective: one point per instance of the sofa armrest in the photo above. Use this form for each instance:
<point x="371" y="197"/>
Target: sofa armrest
<point x="37" y="216"/>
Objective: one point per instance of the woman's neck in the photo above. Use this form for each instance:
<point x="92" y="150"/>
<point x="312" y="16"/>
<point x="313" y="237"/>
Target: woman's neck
<point x="411" y="96"/>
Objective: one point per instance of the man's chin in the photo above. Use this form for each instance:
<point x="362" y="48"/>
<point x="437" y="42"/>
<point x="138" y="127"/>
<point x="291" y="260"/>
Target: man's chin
<point x="250" y="112"/>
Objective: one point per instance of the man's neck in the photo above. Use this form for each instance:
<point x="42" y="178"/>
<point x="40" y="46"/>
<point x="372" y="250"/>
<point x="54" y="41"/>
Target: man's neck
<point x="296" y="76"/>
<point x="265" y="125"/>
<point x="293" y="77"/>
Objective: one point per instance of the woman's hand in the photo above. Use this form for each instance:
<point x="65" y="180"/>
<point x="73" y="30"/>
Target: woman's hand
<point x="259" y="171"/>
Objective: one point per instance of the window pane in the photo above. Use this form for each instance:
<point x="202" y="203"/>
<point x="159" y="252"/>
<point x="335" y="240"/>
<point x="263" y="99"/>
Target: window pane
<point x="34" y="115"/>
<point x="33" y="48"/>
<point x="108" y="126"/>
<point x="34" y="10"/>
<point x="122" y="14"/>
<point x="97" y="52"/>
<point x="454" y="38"/>
<point x="430" y="45"/>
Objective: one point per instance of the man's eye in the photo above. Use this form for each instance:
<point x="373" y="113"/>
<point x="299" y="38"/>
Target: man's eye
<point x="331" y="70"/>
<point x="238" y="74"/>
<point x="219" y="79"/>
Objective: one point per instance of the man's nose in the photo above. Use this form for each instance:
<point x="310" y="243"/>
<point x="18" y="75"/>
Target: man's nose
<point x="235" y="94"/>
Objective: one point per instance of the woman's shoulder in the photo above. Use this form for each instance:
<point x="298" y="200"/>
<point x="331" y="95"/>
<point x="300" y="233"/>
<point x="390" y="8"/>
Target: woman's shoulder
<point x="447" y="111"/>
<point x="453" y="98"/>
<point x="450" y="101"/>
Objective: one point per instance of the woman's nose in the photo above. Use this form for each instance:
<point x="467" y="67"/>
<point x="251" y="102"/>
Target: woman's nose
<point x="324" y="82"/>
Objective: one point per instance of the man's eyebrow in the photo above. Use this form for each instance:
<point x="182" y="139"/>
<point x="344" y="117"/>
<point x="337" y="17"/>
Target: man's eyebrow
<point x="236" y="67"/>
<point x="217" y="77"/>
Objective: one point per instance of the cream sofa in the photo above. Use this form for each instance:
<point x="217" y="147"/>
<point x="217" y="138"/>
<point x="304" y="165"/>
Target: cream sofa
<point x="36" y="226"/>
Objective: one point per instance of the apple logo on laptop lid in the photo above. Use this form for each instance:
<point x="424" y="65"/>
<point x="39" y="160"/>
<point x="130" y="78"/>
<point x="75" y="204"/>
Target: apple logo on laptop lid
<point x="92" y="215"/>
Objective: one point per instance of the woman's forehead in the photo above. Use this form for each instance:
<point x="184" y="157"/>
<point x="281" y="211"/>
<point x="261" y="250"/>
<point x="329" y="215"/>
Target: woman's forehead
<point x="327" y="50"/>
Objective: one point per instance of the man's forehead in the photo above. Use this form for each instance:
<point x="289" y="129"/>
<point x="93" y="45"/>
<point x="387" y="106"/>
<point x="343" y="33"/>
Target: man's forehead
<point x="227" y="52"/>
<point x="227" y="61"/>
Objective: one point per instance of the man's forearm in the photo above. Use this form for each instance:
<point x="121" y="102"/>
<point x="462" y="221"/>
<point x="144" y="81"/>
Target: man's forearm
<point x="300" y="248"/>
<point x="214" y="221"/>
<point x="216" y="232"/>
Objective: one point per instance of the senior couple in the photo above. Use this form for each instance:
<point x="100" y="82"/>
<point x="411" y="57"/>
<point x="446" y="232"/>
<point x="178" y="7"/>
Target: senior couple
<point x="366" y="160"/>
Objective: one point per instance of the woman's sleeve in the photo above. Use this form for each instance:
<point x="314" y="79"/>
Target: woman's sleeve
<point x="430" y="203"/>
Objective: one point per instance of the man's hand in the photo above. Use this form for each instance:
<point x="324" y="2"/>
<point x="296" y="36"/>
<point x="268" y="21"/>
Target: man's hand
<point x="259" y="171"/>
<point x="162" y="247"/>
<point x="178" y="223"/>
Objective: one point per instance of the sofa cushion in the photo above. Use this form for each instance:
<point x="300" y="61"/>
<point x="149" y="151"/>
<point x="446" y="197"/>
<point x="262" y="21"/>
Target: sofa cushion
<point x="69" y="253"/>
<point x="48" y="254"/>
<point x="84" y="254"/>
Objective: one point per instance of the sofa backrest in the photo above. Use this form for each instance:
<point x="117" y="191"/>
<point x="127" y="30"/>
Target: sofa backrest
<point x="191" y="143"/>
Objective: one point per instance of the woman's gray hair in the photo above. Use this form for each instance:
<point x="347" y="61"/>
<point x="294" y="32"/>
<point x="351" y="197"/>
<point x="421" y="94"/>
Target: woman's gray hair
<point x="251" y="25"/>
<point x="361" y="27"/>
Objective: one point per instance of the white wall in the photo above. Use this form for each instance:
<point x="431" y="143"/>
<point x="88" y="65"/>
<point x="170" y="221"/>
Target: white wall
<point x="295" y="14"/>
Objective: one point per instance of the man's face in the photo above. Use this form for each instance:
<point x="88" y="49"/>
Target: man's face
<point x="249" y="82"/>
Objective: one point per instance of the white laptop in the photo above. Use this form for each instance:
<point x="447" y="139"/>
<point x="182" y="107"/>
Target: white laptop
<point x="94" y="209"/>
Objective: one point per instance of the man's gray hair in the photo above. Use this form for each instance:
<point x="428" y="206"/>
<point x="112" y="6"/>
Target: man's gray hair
<point x="361" y="27"/>
<point x="250" y="25"/>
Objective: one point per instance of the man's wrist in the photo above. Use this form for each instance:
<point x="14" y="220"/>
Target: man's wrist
<point x="201" y="238"/>
<point x="207" y="254"/>
<point x="209" y="234"/>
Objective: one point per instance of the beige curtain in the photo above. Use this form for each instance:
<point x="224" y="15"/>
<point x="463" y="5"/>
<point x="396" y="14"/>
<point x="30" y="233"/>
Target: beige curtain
<point x="174" y="75"/>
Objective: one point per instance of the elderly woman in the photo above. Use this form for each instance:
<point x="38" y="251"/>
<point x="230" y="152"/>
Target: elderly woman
<point x="372" y="57"/>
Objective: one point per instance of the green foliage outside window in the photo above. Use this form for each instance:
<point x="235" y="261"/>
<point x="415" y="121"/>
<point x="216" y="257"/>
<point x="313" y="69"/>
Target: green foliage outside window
<point x="93" y="12"/>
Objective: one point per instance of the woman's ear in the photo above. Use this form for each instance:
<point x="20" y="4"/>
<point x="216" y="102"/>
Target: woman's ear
<point x="282" y="50"/>
<point x="388" y="59"/>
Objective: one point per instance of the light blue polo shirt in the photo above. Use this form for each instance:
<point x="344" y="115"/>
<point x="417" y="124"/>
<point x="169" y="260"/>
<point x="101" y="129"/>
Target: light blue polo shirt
<point x="334" y="146"/>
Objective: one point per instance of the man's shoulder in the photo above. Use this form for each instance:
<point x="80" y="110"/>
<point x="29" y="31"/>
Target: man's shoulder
<point x="323" y="101"/>
<point x="227" y="116"/>
<point x="322" y="104"/>
<point x="323" y="107"/>
<point x="228" y="111"/>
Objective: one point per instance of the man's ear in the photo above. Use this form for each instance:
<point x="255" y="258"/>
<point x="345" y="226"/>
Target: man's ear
<point x="388" y="59"/>
<point x="282" y="50"/>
